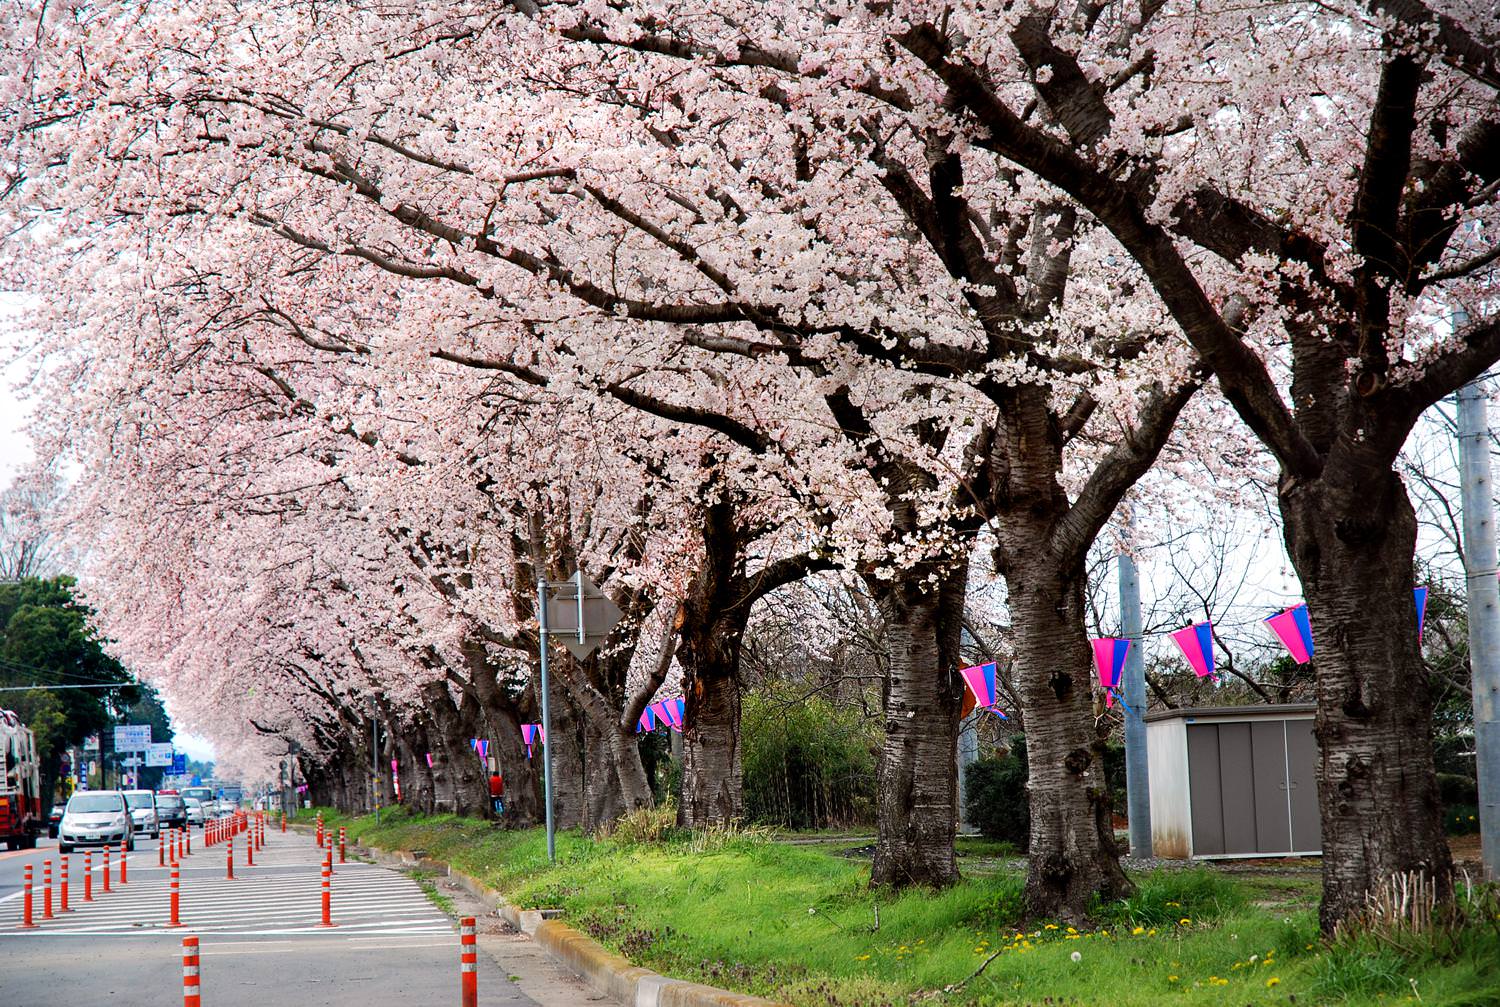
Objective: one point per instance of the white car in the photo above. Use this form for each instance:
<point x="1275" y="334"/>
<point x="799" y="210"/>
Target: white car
<point x="142" y="804"/>
<point x="194" y="810"/>
<point x="95" y="818"/>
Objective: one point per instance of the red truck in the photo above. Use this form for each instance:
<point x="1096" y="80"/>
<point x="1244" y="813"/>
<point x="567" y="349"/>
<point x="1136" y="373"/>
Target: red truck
<point x="20" y="785"/>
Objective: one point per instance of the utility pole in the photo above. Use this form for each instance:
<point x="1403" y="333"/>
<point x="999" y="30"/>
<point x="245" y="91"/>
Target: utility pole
<point x="541" y="615"/>
<point x="1137" y="779"/>
<point x="375" y="766"/>
<point x="1484" y="606"/>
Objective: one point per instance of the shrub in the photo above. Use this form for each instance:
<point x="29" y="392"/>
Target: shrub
<point x="646" y="825"/>
<point x="808" y="764"/>
<point x="1456" y="788"/>
<point x="1461" y="819"/>
<point x="995" y="800"/>
<point x="1162" y="898"/>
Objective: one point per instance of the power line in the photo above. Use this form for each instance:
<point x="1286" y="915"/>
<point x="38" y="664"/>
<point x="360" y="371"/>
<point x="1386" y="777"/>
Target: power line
<point x="49" y="688"/>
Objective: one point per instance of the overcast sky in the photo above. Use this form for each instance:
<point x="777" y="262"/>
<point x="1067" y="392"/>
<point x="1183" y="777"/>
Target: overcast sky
<point x="15" y="451"/>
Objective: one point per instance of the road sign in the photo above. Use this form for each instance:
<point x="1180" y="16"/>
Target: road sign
<point x="133" y="761"/>
<point x="91" y="743"/>
<point x="579" y="615"/>
<point x="132" y="737"/>
<point x="159" y="754"/>
<point x="179" y="763"/>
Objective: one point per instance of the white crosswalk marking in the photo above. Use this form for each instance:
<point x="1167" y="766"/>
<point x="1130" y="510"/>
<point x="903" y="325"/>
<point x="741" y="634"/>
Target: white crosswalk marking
<point x="278" y="898"/>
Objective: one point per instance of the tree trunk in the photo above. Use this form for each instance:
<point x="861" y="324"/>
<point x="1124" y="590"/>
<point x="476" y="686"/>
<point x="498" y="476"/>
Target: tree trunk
<point x="712" y="779"/>
<point x="918" y="809"/>
<point x="1351" y="540"/>
<point x="522" y="776"/>
<point x="1073" y="858"/>
<point x="565" y="743"/>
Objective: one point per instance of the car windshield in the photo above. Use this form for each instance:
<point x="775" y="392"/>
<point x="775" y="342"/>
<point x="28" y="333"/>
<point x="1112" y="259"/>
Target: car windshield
<point x="193" y="802"/>
<point x="139" y="800"/>
<point x="93" y="803"/>
<point x="168" y="801"/>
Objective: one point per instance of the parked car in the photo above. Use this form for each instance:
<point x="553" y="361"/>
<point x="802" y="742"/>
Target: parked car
<point x="142" y="804"/>
<point x="96" y="818"/>
<point x="54" y="819"/>
<point x="194" y="809"/>
<point x="171" y="812"/>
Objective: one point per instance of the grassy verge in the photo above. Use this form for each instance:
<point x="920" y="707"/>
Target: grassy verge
<point x="798" y="923"/>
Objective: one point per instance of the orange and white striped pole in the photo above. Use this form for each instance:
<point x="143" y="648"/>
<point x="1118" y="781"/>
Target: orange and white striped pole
<point x="468" y="962"/>
<point x="88" y="877"/>
<point x="187" y="842"/>
<point x="174" y="904"/>
<point x="62" y="905"/>
<point x="190" y="977"/>
<point x="342" y="839"/>
<point x="26" y="901"/>
<point x="283" y="821"/>
<point x="328" y="890"/>
<point x="250" y="851"/>
<point x="46" y="889"/>
<point x="161" y="849"/>
<point x="230" y="859"/>
<point x="105" y="872"/>
<point x="122" y="862"/>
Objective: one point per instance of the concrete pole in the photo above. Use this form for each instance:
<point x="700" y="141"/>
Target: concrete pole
<point x="541" y="616"/>
<point x="1484" y="607"/>
<point x="1137" y="780"/>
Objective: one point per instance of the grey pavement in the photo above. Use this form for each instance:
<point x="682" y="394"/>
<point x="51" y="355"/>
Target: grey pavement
<point x="260" y="935"/>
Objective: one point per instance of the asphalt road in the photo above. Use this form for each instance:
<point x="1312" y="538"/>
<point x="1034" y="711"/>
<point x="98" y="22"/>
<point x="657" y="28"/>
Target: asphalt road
<point x="259" y="934"/>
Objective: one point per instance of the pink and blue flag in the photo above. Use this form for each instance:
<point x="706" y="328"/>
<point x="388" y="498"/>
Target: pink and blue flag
<point x="981" y="682"/>
<point x="429" y="760"/>
<point x="1421" y="599"/>
<point x="1197" y="645"/>
<point x="530" y="735"/>
<point x="1109" y="659"/>
<point x="1294" y="631"/>
<point x="481" y="747"/>
<point x="670" y="712"/>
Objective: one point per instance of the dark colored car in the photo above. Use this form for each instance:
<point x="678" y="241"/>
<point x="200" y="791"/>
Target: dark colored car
<point x="171" y="811"/>
<point x="54" y="819"/>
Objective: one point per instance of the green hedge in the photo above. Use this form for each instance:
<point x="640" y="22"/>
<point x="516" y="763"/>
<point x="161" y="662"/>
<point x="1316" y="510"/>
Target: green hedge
<point x="808" y="763"/>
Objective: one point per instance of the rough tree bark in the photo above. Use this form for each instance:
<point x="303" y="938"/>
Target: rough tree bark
<point x="1381" y="812"/>
<point x="918" y="800"/>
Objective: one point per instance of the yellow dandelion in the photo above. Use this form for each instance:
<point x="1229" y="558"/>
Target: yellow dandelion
<point x="1138" y="931"/>
<point x="861" y="958"/>
<point x="1050" y="926"/>
<point x="1273" y="981"/>
<point x="1185" y="921"/>
<point x="1171" y="979"/>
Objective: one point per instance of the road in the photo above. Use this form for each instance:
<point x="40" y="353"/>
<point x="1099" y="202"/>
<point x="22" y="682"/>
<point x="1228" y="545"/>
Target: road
<point x="259" y="934"/>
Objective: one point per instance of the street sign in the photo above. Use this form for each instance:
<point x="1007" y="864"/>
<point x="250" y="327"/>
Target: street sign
<point x="159" y="754"/>
<point x="132" y="762"/>
<point x="179" y="763"/>
<point x="91" y="743"/>
<point x="132" y="737"/>
<point x="579" y="615"/>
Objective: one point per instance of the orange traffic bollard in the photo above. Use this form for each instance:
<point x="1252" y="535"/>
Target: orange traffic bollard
<point x="46" y="889"/>
<point x="26" y="901"/>
<point x="328" y="890"/>
<point x="88" y="877"/>
<point x="187" y="842"/>
<point x="283" y="821"/>
<point x="230" y="859"/>
<point x="122" y="863"/>
<point x="105" y="873"/>
<point x="161" y="849"/>
<point x="249" y="851"/>
<point x="468" y="962"/>
<point x="190" y="977"/>
<point x="62" y="905"/>
<point x="342" y="839"/>
<point x="173" y="903"/>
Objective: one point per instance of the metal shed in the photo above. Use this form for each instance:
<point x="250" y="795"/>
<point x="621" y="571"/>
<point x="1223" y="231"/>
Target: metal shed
<point x="1234" y="781"/>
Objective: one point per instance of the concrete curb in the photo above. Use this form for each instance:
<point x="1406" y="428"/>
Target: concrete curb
<point x="607" y="972"/>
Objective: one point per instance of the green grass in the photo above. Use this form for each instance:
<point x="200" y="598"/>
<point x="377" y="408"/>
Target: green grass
<point x="799" y="924"/>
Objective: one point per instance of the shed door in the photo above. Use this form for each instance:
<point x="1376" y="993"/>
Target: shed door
<point x="1302" y="761"/>
<point x="1238" y="785"/>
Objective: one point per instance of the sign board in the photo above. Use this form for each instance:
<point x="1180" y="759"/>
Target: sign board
<point x="132" y="761"/>
<point x="159" y="754"/>
<point x="132" y="737"/>
<point x="179" y="763"/>
<point x="579" y="616"/>
<point x="91" y="743"/>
